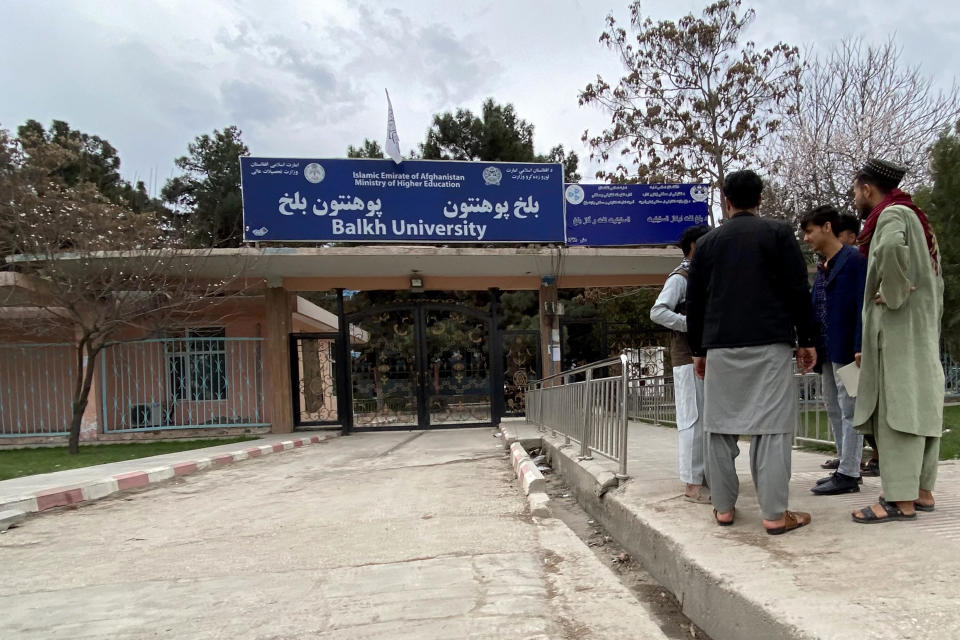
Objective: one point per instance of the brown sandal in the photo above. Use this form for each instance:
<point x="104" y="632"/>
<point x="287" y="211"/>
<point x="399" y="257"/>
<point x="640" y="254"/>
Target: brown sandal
<point x="793" y="520"/>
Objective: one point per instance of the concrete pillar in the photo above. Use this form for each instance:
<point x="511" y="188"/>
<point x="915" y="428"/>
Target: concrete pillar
<point x="549" y="327"/>
<point x="277" y="358"/>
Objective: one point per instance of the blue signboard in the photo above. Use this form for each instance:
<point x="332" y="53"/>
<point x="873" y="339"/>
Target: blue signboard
<point x="603" y="215"/>
<point x="314" y="200"/>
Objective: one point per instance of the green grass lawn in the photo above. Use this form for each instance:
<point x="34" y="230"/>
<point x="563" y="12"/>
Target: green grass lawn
<point x="818" y="427"/>
<point x="15" y="463"/>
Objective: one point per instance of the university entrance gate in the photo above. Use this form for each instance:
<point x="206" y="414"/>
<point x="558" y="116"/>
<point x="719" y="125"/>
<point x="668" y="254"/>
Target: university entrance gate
<point x="420" y="365"/>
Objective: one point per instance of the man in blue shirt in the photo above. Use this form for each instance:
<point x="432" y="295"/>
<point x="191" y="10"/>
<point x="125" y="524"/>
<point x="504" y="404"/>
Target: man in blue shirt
<point x="837" y="300"/>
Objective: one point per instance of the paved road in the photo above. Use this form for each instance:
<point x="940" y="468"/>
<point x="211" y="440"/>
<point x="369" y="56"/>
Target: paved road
<point x="388" y="535"/>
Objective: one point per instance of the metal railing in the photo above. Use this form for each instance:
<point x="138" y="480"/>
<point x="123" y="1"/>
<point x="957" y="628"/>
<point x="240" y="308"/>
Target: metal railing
<point x="812" y="426"/>
<point x="182" y="383"/>
<point x="36" y="388"/>
<point x="652" y="401"/>
<point x="591" y="412"/>
<point x="951" y="373"/>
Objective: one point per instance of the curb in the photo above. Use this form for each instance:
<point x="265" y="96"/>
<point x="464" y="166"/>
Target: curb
<point x="701" y="594"/>
<point x="531" y="481"/>
<point x="99" y="489"/>
<point x="510" y="435"/>
<point x="11" y="518"/>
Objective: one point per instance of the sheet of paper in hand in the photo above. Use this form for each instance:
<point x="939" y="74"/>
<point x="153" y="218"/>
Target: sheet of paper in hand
<point x="850" y="377"/>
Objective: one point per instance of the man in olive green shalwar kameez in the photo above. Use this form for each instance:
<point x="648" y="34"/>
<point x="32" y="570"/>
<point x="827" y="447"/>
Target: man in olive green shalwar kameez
<point x="900" y="395"/>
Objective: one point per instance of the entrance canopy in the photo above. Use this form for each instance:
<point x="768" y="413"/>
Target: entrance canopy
<point x="390" y="267"/>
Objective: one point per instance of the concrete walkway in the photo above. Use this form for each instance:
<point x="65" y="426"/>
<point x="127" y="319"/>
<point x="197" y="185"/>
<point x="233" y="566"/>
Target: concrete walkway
<point x="30" y="494"/>
<point x="832" y="579"/>
<point x="399" y="535"/>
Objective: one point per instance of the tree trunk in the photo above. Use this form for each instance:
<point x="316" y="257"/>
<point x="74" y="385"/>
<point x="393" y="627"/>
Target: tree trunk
<point x="724" y="214"/>
<point x="82" y="392"/>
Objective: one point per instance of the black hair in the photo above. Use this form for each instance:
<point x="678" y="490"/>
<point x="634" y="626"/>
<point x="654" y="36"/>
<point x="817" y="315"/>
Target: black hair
<point x="848" y="222"/>
<point x="820" y="217"/>
<point x="743" y="189"/>
<point x="691" y="235"/>
<point x="883" y="185"/>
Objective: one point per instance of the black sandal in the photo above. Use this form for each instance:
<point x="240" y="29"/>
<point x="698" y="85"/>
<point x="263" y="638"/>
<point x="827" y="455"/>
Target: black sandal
<point x="919" y="506"/>
<point x="867" y="516"/>
<point x="721" y="522"/>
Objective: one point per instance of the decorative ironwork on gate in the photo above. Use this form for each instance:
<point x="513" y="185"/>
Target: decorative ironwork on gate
<point x="424" y="364"/>
<point x="313" y="370"/>
<point x="521" y="366"/>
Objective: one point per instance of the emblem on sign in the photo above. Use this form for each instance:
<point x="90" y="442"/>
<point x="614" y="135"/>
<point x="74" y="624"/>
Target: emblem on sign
<point x="574" y="194"/>
<point x="492" y="175"/>
<point x="314" y="173"/>
<point x="700" y="192"/>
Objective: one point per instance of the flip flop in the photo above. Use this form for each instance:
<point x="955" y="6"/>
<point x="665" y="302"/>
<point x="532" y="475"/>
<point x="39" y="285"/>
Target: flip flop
<point x="919" y="506"/>
<point x="725" y="524"/>
<point x="793" y="520"/>
<point x="867" y="516"/>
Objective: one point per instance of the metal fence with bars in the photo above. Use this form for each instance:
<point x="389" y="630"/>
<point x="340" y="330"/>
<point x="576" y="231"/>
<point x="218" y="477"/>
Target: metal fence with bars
<point x="951" y="372"/>
<point x="36" y="385"/>
<point x="587" y="405"/>
<point x="650" y="398"/>
<point x="180" y="383"/>
<point x="654" y="402"/>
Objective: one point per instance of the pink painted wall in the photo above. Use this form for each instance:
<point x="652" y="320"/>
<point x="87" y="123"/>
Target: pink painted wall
<point x="140" y="374"/>
<point x="36" y="383"/>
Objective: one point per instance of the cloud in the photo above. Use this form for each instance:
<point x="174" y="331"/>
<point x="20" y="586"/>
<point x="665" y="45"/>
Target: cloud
<point x="274" y="64"/>
<point x="251" y="102"/>
<point x="447" y="66"/>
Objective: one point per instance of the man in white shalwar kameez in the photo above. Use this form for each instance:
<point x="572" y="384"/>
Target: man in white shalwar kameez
<point x="669" y="311"/>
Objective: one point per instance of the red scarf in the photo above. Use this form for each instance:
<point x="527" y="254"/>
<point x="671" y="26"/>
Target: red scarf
<point x="898" y="197"/>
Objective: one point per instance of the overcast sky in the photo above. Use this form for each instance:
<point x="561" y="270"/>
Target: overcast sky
<point x="307" y="78"/>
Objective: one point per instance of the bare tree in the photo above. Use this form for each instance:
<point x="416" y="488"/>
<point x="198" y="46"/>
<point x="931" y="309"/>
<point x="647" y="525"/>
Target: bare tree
<point x="695" y="100"/>
<point x="857" y="102"/>
<point x="92" y="269"/>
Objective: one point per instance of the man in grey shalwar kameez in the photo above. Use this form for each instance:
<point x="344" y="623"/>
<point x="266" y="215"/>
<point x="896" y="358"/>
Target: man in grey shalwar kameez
<point x="748" y="306"/>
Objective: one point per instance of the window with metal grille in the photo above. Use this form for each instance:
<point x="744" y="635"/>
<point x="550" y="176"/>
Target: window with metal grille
<point x="197" y="364"/>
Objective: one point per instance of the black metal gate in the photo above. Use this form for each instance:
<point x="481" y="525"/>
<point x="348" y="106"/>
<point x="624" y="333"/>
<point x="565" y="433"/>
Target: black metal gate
<point x="424" y="365"/>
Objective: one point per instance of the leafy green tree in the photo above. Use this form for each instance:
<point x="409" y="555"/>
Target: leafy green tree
<point x="570" y="162"/>
<point x="206" y="199"/>
<point x="695" y="101"/>
<point x="87" y="159"/>
<point x="92" y="160"/>
<point x="942" y="205"/>
<point x="498" y="134"/>
<point x="369" y="149"/>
